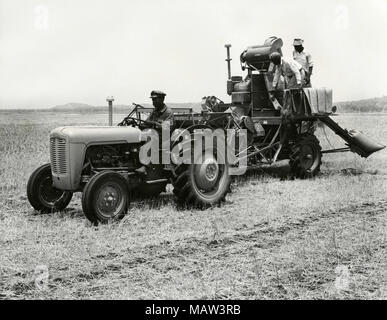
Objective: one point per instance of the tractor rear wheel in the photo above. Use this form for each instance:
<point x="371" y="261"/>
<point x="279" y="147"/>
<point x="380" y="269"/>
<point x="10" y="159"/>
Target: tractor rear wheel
<point x="42" y="195"/>
<point x="202" y="184"/>
<point x="105" y="197"/>
<point x="305" y="157"/>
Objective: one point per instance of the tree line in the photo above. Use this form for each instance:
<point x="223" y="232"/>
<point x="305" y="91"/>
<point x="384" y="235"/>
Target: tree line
<point x="364" y="105"/>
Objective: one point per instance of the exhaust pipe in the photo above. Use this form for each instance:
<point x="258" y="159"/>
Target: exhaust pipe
<point x="227" y="46"/>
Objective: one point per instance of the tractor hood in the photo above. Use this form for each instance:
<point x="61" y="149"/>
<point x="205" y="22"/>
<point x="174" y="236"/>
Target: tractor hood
<point x="95" y="134"/>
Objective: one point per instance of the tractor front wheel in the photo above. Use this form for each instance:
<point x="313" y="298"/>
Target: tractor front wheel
<point x="42" y="195"/>
<point x="105" y="197"/>
<point x="305" y="157"/>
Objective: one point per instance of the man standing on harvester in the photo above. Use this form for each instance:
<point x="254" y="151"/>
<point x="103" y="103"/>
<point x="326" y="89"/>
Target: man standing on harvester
<point x="293" y="72"/>
<point x="303" y="58"/>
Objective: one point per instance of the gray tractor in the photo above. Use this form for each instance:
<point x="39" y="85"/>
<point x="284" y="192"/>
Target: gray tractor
<point x="103" y="163"/>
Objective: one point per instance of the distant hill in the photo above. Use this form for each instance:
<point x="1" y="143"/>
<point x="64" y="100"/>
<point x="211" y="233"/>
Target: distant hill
<point x="364" y="105"/>
<point x="75" y="107"/>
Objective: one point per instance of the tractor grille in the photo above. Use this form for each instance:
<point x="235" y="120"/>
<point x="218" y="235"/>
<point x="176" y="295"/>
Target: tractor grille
<point x="58" y="155"/>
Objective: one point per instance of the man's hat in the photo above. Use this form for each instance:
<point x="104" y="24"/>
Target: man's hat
<point x="298" y="42"/>
<point x="157" y="93"/>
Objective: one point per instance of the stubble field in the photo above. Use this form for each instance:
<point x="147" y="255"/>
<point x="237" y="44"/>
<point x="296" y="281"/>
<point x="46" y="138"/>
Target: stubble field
<point x="274" y="238"/>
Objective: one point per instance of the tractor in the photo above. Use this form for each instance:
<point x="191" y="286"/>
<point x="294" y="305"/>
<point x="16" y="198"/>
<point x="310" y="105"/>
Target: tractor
<point x="103" y="162"/>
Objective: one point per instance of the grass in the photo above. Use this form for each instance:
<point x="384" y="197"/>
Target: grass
<point x="272" y="239"/>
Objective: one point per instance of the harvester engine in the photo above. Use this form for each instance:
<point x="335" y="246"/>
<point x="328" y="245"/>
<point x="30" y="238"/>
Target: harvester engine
<point x="255" y="86"/>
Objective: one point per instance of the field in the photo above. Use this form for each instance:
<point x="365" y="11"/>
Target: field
<point x="274" y="238"/>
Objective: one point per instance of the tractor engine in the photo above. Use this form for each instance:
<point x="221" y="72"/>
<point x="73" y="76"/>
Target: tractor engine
<point x="111" y="156"/>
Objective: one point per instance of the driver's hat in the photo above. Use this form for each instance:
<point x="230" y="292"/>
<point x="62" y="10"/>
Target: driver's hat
<point x="298" y="42"/>
<point x="157" y="93"/>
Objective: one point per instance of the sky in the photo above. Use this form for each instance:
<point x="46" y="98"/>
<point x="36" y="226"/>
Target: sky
<point x="57" y="51"/>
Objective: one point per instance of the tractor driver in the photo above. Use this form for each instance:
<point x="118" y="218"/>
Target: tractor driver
<point x="161" y="114"/>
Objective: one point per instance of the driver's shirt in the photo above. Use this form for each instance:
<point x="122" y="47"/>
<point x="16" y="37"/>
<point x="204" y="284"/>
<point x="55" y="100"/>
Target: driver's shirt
<point x="162" y="115"/>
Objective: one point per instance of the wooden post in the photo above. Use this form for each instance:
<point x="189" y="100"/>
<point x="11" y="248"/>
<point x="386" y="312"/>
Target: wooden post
<point x="110" y="101"/>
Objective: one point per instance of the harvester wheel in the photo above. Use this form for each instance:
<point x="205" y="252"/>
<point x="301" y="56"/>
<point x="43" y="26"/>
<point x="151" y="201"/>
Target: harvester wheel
<point x="41" y="193"/>
<point x="202" y="184"/>
<point x="305" y="157"/>
<point x="105" y="197"/>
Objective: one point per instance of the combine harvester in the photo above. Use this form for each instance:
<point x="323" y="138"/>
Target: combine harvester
<point x="103" y="162"/>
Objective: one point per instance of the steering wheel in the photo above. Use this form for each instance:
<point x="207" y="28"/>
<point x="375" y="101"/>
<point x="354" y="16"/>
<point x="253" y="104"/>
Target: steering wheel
<point x="127" y="121"/>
